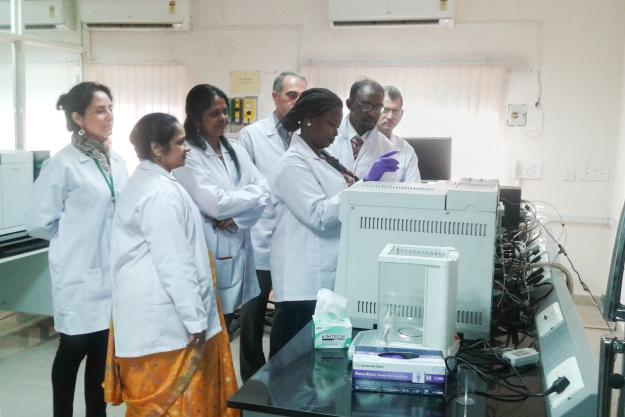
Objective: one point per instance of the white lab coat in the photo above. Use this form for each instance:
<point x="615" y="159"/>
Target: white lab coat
<point x="408" y="169"/>
<point x="375" y="145"/>
<point x="220" y="195"/>
<point x="305" y="243"/>
<point x="162" y="281"/>
<point x="71" y="206"/>
<point x="265" y="147"/>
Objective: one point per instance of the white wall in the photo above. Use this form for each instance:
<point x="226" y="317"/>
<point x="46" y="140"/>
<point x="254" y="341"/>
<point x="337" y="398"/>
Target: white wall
<point x="575" y="45"/>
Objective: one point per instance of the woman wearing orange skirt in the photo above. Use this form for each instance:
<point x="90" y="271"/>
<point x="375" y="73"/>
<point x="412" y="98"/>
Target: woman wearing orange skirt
<point x="169" y="356"/>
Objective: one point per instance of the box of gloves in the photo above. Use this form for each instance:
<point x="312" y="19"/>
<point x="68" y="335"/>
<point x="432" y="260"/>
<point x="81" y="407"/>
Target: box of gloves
<point x="399" y="370"/>
<point x="333" y="329"/>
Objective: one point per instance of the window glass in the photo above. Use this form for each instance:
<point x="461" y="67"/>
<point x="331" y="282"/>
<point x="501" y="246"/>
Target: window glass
<point x="7" y="113"/>
<point x="50" y="72"/>
<point x="5" y="16"/>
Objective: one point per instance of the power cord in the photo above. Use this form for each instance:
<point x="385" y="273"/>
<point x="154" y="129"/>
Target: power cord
<point x="562" y="251"/>
<point x="558" y="386"/>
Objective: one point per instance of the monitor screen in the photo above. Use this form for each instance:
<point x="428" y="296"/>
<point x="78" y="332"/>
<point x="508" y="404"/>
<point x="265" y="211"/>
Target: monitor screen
<point x="434" y="157"/>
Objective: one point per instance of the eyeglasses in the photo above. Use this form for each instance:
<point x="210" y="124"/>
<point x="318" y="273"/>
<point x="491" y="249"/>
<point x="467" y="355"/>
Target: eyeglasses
<point x="367" y="107"/>
<point x="394" y="112"/>
<point x="292" y="95"/>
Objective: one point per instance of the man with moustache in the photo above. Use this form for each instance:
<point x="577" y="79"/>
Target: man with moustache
<point x="265" y="141"/>
<point x="358" y="143"/>
<point x="392" y="113"/>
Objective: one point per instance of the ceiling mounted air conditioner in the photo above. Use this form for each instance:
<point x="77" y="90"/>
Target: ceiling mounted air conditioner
<point x="136" y="14"/>
<point x="41" y="14"/>
<point x="350" y="13"/>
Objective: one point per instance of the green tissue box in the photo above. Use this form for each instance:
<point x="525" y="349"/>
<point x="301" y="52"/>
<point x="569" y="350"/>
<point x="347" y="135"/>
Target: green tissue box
<point x="332" y="334"/>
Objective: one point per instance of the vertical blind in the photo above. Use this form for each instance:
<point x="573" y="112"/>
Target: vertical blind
<point x="139" y="89"/>
<point x="463" y="102"/>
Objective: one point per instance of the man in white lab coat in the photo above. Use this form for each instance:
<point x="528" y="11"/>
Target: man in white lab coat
<point x="392" y="113"/>
<point x="359" y="143"/>
<point x="265" y="141"/>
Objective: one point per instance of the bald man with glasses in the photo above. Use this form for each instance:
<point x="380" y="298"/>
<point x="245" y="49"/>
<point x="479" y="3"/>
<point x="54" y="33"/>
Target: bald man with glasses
<point x="265" y="141"/>
<point x="359" y="143"/>
<point x="392" y="113"/>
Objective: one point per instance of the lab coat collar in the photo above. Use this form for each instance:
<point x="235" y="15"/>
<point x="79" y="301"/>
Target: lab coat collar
<point x="209" y="151"/>
<point x="82" y="158"/>
<point x="148" y="165"/>
<point x="298" y="144"/>
<point x="270" y="124"/>
<point x="351" y="131"/>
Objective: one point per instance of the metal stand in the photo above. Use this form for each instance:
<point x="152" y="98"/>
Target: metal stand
<point x="608" y="380"/>
<point x="611" y="346"/>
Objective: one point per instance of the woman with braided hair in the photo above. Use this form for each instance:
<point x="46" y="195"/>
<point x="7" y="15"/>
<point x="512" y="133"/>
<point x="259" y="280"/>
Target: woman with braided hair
<point x="307" y="188"/>
<point x="230" y="192"/>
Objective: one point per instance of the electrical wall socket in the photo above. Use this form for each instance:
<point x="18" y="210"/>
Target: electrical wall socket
<point x="592" y="171"/>
<point x="517" y="114"/>
<point x="568" y="174"/>
<point x="528" y="170"/>
<point x="549" y="319"/>
<point x="570" y="370"/>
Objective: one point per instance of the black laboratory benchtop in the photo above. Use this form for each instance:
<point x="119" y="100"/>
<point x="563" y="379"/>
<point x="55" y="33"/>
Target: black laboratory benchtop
<point x="302" y="381"/>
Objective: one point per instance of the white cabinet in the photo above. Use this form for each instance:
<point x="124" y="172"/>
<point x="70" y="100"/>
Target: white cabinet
<point x="16" y="182"/>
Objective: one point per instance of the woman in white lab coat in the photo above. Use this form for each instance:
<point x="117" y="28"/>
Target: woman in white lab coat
<point x="230" y="192"/>
<point x="306" y="189"/>
<point x="72" y="205"/>
<point x="168" y="345"/>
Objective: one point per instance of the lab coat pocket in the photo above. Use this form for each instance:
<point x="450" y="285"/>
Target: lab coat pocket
<point x="224" y="268"/>
<point x="97" y="285"/>
<point x="229" y="244"/>
<point x="228" y="250"/>
<point x="67" y="298"/>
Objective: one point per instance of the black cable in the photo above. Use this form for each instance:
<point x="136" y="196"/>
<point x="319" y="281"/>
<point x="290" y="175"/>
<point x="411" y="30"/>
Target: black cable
<point x="558" y="385"/>
<point x="501" y="398"/>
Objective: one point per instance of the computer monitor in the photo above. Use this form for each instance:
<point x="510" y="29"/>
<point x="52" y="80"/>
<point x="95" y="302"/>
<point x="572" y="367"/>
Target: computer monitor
<point x="434" y="157"/>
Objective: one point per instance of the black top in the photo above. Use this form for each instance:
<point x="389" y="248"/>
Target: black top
<point x="302" y="381"/>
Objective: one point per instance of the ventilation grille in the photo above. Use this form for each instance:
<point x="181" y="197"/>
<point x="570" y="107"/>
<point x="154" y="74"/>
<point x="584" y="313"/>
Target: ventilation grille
<point x="132" y="26"/>
<point x="398" y="22"/>
<point x="404" y="310"/>
<point x="398" y="310"/>
<point x="469" y="317"/>
<point x="367" y="307"/>
<point x="423" y="226"/>
<point x="35" y="27"/>
<point x="402" y="250"/>
<point x="386" y="186"/>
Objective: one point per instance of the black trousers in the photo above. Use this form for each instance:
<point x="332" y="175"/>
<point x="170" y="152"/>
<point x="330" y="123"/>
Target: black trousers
<point x="72" y="350"/>
<point x="251" y="355"/>
<point x="290" y="318"/>
<point x="228" y="318"/>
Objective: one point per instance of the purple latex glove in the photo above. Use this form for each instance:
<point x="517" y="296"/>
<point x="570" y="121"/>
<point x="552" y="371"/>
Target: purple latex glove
<point x="383" y="165"/>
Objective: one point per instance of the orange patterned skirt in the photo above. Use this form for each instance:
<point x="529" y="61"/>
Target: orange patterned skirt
<point x="190" y="382"/>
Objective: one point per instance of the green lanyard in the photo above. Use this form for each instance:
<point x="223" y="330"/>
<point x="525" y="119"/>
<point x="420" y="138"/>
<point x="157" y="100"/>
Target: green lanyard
<point x="109" y="180"/>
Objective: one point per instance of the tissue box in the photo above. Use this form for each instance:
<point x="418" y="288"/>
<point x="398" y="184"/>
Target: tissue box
<point x="399" y="370"/>
<point x="332" y="334"/>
